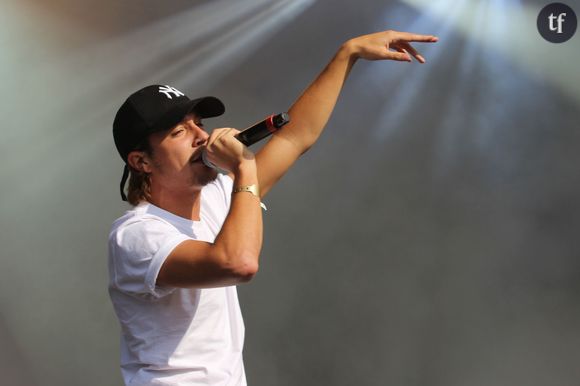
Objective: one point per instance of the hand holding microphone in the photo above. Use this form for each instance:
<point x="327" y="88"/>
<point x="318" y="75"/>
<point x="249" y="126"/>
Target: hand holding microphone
<point x="253" y="134"/>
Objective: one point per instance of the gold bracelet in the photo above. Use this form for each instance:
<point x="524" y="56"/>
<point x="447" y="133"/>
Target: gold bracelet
<point x="250" y="189"/>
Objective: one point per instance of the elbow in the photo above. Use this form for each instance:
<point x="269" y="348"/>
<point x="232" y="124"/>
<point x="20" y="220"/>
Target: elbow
<point x="241" y="267"/>
<point x="310" y="141"/>
<point x="307" y="142"/>
<point x="246" y="269"/>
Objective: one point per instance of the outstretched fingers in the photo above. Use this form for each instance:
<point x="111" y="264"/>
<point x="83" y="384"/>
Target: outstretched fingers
<point x="411" y="37"/>
<point x="411" y="50"/>
<point x="401" y="55"/>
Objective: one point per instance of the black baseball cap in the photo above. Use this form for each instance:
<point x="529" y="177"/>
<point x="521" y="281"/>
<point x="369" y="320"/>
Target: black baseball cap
<point x="155" y="108"/>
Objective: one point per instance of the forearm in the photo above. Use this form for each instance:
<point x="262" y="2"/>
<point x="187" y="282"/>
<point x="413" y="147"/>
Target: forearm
<point x="313" y="108"/>
<point x="240" y="240"/>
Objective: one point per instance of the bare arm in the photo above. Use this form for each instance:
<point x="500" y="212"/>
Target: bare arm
<point x="233" y="257"/>
<point x="311" y="111"/>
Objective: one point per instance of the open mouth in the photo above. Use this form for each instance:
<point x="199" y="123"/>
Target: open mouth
<point x="196" y="158"/>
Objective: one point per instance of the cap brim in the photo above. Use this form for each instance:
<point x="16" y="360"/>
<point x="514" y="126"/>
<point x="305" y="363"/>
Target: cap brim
<point x="205" y="107"/>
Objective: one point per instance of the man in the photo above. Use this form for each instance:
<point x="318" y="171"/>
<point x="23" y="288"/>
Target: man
<point x="194" y="234"/>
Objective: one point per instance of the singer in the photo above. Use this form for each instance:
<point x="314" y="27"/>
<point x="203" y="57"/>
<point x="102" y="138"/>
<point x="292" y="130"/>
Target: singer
<point x="193" y="234"/>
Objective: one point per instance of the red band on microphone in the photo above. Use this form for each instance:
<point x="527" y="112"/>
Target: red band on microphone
<point x="270" y="124"/>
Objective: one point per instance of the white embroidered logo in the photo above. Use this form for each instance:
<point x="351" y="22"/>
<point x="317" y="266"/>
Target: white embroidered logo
<point x="168" y="90"/>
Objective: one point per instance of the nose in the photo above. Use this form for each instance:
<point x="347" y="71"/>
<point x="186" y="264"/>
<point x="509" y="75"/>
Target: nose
<point x="200" y="137"/>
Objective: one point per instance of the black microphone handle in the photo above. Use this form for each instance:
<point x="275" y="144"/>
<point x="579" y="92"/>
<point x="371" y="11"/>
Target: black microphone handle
<point x="263" y="129"/>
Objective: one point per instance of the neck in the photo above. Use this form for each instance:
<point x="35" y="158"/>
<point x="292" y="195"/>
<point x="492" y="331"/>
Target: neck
<point x="183" y="204"/>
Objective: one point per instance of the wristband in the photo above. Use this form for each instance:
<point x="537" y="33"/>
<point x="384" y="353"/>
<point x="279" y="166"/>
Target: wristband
<point x="253" y="189"/>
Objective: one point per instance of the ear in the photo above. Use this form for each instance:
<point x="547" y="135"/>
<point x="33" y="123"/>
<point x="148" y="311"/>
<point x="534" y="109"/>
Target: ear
<point x="138" y="160"/>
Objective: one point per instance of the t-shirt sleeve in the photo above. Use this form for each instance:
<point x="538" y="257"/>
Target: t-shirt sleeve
<point x="138" y="250"/>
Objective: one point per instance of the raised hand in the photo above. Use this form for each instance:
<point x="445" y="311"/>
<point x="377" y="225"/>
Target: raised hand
<point x="388" y="45"/>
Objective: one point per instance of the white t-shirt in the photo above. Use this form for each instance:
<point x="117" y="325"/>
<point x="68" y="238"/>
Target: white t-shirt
<point x="173" y="336"/>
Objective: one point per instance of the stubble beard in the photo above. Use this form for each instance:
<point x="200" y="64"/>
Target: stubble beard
<point x="204" y="176"/>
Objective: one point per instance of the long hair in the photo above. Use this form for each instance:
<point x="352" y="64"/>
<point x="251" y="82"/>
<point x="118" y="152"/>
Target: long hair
<point x="139" y="182"/>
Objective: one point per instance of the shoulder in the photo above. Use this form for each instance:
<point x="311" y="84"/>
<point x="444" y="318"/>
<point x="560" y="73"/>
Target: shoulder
<point x="139" y="226"/>
<point x="140" y="216"/>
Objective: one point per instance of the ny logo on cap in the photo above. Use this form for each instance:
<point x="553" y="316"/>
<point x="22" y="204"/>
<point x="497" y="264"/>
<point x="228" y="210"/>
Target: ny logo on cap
<point x="167" y="90"/>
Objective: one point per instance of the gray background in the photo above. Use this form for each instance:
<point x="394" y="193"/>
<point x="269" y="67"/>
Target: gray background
<point x="429" y="238"/>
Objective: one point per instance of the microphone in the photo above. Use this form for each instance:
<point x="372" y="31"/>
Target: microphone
<point x="255" y="133"/>
<point x="263" y="129"/>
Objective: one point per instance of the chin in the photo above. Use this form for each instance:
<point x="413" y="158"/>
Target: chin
<point x="205" y="176"/>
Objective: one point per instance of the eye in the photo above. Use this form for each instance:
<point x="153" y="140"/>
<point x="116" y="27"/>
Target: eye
<point x="177" y="132"/>
<point x="199" y="124"/>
